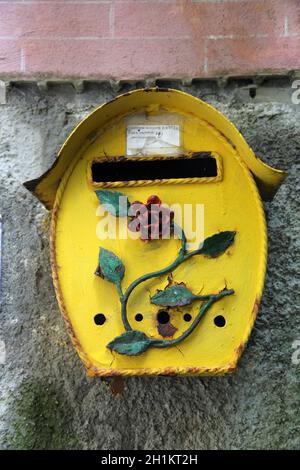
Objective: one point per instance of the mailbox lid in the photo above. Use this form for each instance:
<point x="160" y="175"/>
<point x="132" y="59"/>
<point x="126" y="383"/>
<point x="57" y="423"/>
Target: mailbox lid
<point x="268" y="179"/>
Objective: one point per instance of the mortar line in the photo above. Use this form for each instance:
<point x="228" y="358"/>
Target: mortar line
<point x="93" y="38"/>
<point x="22" y="60"/>
<point x="205" y="67"/>
<point x="111" y="20"/>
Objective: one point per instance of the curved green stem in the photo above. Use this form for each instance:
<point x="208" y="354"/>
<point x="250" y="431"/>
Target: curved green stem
<point x="180" y="258"/>
<point x="157" y="343"/>
<point x="119" y="289"/>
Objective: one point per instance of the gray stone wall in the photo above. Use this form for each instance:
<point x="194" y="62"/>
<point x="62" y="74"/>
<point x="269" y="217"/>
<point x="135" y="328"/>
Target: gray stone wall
<point x="46" y="400"/>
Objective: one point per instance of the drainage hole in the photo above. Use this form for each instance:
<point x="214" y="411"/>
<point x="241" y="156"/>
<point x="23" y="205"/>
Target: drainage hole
<point x="139" y="317"/>
<point x="187" y="317"/>
<point x="220" y="321"/>
<point x="99" y="319"/>
<point x="163" y="317"/>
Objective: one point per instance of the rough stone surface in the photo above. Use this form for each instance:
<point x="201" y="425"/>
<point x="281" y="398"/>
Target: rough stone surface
<point x="46" y="400"/>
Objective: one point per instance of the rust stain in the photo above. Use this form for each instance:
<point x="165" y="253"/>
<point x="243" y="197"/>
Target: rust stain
<point x="171" y="282"/>
<point x="193" y="370"/>
<point x="117" y="385"/>
<point x="240" y="349"/>
<point x="166" y="330"/>
<point x="231" y="368"/>
<point x="169" y="371"/>
<point x="200" y="155"/>
<point x="105" y="158"/>
<point x="256" y="306"/>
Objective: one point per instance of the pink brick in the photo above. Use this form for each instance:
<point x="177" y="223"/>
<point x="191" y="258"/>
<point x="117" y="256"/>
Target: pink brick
<point x="164" y="38"/>
<point x="10" y="57"/>
<point x="293" y="16"/>
<point x="243" y="56"/>
<point x="242" y="18"/>
<point x="150" y="19"/>
<point x="126" y="59"/>
<point x="199" y="19"/>
<point x="54" y="19"/>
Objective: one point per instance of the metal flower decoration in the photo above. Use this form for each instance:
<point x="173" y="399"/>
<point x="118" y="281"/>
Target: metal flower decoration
<point x="145" y="218"/>
<point x="152" y="220"/>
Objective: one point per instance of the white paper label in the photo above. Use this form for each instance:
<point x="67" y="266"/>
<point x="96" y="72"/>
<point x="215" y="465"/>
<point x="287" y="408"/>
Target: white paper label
<point x="152" y="139"/>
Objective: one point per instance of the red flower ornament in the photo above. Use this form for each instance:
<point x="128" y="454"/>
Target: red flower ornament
<point x="152" y="220"/>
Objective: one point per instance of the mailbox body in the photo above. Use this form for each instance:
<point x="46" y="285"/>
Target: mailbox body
<point x="230" y="200"/>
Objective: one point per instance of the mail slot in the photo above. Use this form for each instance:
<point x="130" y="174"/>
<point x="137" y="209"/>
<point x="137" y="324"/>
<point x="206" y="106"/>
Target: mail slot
<point x="195" y="166"/>
<point x="158" y="170"/>
<point x="158" y="237"/>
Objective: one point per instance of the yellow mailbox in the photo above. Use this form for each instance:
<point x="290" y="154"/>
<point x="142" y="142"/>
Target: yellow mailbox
<point x="158" y="235"/>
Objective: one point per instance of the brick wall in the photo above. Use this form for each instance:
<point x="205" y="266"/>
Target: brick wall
<point x="134" y="39"/>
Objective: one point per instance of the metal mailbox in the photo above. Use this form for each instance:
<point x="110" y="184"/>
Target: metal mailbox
<point x="158" y="236"/>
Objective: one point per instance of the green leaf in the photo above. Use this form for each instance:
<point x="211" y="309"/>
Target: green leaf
<point x="176" y="295"/>
<point x="110" y="266"/>
<point x="217" y="244"/>
<point x="131" y="343"/>
<point x="112" y="202"/>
